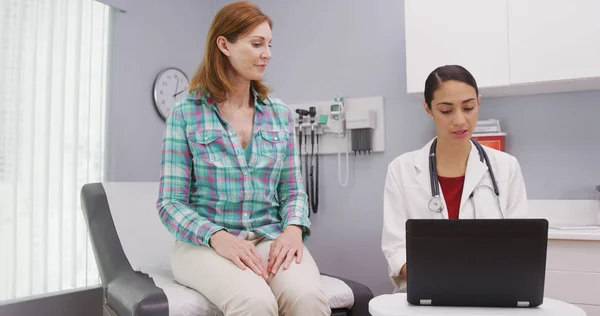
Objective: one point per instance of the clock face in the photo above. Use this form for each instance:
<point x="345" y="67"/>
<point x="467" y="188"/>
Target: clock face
<point x="170" y="86"/>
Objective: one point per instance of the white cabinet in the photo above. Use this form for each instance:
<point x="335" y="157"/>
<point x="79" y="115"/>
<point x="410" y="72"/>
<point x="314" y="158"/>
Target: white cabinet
<point x="573" y="256"/>
<point x="573" y="273"/>
<point x="553" y="40"/>
<point x="511" y="47"/>
<point x="471" y="33"/>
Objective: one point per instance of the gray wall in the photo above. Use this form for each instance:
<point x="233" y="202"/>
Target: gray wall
<point x="556" y="138"/>
<point x="355" y="49"/>
<point x="149" y="36"/>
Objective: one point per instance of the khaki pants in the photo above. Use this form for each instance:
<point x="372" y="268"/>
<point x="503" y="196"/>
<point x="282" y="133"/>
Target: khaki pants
<point x="296" y="291"/>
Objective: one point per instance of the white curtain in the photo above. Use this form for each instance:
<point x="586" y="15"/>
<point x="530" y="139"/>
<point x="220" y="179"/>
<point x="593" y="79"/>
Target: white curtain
<point x="52" y="99"/>
<point x="121" y="5"/>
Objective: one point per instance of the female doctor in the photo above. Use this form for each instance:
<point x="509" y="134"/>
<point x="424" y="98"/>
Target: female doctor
<point x="452" y="176"/>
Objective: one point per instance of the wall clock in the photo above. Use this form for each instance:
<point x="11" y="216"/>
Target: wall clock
<point x="170" y="86"/>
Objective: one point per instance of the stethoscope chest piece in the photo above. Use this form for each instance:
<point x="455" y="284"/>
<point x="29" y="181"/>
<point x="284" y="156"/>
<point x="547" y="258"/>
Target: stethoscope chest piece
<point x="435" y="204"/>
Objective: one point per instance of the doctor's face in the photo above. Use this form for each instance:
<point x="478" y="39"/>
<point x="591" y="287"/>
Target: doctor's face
<point x="454" y="110"/>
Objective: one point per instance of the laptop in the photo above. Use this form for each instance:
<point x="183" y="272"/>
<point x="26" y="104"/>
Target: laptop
<point x="476" y="262"/>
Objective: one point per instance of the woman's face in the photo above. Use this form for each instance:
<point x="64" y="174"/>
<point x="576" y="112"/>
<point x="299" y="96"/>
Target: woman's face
<point x="250" y="54"/>
<point x="454" y="110"/>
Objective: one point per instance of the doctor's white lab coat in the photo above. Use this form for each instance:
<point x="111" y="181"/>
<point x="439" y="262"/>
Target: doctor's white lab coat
<point x="408" y="191"/>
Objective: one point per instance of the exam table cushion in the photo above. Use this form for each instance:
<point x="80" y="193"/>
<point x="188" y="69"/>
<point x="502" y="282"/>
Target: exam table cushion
<point x="147" y="245"/>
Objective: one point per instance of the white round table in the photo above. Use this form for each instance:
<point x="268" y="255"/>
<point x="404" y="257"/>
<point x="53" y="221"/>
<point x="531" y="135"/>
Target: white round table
<point x="396" y="305"/>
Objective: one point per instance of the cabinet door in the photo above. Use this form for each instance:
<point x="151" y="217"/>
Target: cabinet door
<point x="471" y="33"/>
<point x="553" y="40"/>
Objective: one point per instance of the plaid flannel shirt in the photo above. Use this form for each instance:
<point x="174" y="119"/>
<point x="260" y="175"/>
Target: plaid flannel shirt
<point x="206" y="184"/>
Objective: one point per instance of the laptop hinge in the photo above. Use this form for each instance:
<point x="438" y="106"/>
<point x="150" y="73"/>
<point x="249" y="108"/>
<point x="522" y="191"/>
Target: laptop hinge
<point x="425" y="302"/>
<point x="522" y="303"/>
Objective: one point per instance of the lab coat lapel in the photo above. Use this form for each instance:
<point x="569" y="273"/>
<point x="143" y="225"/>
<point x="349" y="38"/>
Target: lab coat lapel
<point x="476" y="169"/>
<point x="421" y="163"/>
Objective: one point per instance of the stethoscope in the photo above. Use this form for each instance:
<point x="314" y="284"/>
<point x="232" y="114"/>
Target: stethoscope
<point x="435" y="203"/>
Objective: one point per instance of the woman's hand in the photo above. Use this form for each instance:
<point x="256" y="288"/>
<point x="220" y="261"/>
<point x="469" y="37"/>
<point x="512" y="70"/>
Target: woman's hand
<point x="403" y="272"/>
<point x="241" y="252"/>
<point x="284" y="248"/>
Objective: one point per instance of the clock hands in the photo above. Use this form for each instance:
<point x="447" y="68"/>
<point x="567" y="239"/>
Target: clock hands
<point x="176" y="86"/>
<point x="178" y="93"/>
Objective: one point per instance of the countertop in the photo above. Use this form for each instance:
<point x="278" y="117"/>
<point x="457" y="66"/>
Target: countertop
<point x="568" y="215"/>
<point x="574" y="234"/>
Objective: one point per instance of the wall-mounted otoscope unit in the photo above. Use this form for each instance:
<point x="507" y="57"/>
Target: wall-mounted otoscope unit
<point x="336" y="127"/>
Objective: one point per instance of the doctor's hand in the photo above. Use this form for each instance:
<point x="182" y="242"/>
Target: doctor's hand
<point x="283" y="250"/>
<point x="403" y="271"/>
<point x="241" y="252"/>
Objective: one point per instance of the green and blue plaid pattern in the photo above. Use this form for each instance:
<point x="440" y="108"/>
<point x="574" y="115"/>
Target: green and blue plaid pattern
<point x="206" y="183"/>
